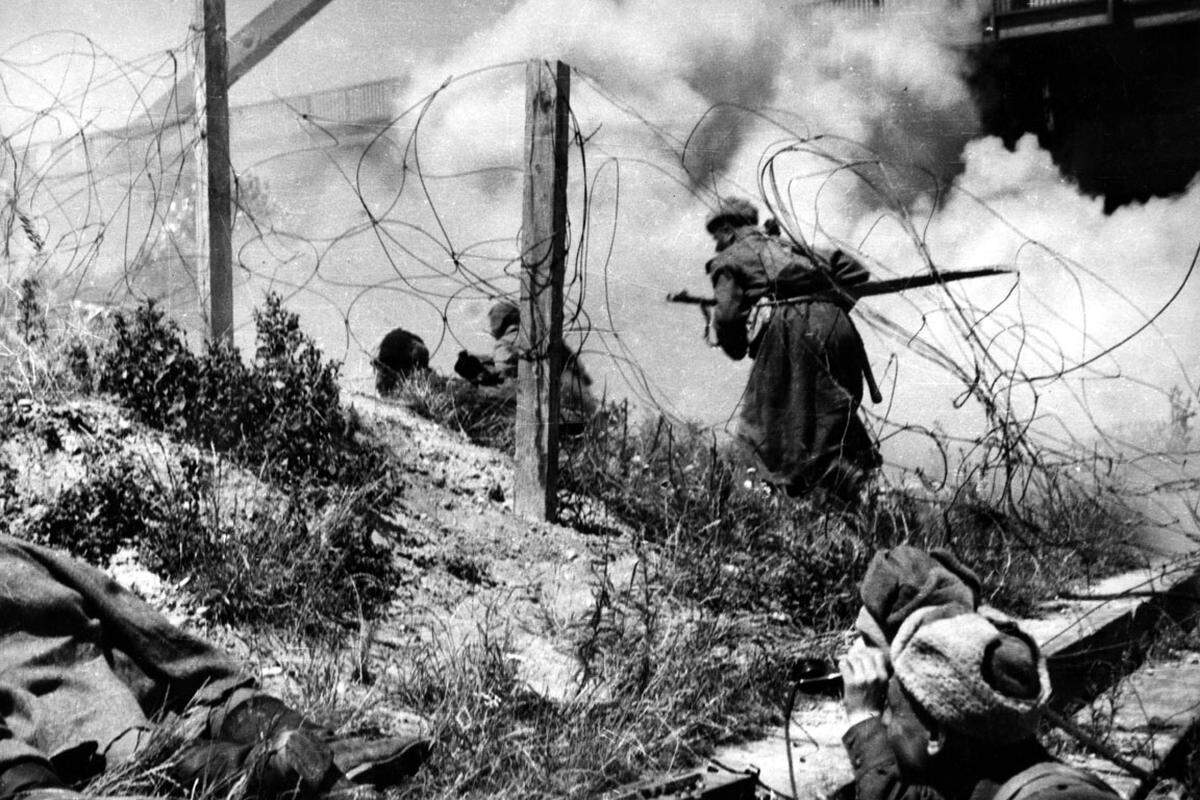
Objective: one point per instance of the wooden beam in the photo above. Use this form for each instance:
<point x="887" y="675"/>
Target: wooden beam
<point x="544" y="248"/>
<point x="250" y="45"/>
<point x="220" y="213"/>
<point x="273" y="25"/>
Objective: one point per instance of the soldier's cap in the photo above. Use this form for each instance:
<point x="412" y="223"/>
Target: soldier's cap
<point x="503" y="315"/>
<point x="735" y="210"/>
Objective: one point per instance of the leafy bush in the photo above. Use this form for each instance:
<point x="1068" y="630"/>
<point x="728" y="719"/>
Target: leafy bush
<point x="280" y="566"/>
<point x="113" y="507"/>
<point x="281" y="414"/>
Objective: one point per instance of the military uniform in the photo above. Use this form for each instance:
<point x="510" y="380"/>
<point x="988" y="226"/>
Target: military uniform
<point x="499" y="370"/>
<point x="799" y="412"/>
<point x="87" y="669"/>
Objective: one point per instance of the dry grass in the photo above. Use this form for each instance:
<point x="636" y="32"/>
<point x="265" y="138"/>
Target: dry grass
<point x="733" y="579"/>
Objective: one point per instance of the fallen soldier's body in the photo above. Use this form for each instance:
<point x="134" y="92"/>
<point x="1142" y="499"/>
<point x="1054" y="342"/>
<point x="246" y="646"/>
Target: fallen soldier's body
<point x="87" y="670"/>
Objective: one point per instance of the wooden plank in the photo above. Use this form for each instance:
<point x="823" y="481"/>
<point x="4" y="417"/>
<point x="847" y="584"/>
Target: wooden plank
<point x="199" y="150"/>
<point x="1143" y="718"/>
<point x="543" y="243"/>
<point x="250" y="45"/>
<point x="220" y="214"/>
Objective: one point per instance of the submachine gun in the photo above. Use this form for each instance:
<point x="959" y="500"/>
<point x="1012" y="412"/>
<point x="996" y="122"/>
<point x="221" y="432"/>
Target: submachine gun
<point x="868" y="289"/>
<point x="851" y="293"/>
<point x="704" y="783"/>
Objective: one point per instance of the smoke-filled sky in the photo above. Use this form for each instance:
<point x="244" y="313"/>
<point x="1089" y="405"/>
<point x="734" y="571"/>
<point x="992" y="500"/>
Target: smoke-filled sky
<point x="734" y="81"/>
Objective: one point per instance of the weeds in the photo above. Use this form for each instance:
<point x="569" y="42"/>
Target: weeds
<point x="735" y="545"/>
<point x="280" y="569"/>
<point x="44" y="349"/>
<point x="484" y="414"/>
<point x="668" y="694"/>
<point x="272" y="566"/>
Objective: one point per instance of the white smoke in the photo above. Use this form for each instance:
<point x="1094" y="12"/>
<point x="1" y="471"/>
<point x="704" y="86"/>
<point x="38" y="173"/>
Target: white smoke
<point x="735" y="79"/>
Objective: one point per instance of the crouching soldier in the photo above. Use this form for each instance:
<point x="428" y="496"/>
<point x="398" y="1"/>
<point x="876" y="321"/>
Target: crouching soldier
<point x="944" y="698"/>
<point x="498" y="371"/>
<point x="775" y="303"/>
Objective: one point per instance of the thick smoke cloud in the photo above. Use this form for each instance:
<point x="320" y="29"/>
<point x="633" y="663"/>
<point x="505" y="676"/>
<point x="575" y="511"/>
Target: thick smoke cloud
<point x="733" y="81"/>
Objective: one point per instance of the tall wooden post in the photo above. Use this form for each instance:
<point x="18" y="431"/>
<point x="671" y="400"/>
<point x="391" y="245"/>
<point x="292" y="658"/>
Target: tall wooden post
<point x="543" y="253"/>
<point x="199" y="259"/>
<point x="220" y="213"/>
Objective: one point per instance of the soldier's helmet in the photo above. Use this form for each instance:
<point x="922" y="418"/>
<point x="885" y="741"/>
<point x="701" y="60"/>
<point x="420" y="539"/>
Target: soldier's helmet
<point x="502" y="316"/>
<point x="735" y="210"/>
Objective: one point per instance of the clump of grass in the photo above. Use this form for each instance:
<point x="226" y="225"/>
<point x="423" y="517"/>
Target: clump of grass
<point x="670" y="691"/>
<point x="281" y="568"/>
<point x="483" y="414"/>
<point x="45" y="348"/>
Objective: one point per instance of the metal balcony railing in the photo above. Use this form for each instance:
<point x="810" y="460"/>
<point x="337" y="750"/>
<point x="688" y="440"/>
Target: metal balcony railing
<point x="1017" y="18"/>
<point x="859" y="5"/>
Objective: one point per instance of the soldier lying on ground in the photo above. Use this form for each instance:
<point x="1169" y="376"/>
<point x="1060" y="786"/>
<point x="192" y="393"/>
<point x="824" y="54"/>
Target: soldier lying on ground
<point x="497" y="372"/>
<point x="944" y="697"/>
<point x="87" y="670"/>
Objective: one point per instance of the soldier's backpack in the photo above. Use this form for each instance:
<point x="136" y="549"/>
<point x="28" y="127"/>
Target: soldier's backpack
<point x="1053" y="780"/>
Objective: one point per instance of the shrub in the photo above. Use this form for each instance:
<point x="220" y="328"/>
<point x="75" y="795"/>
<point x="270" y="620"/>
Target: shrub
<point x="280" y="566"/>
<point x="307" y="564"/>
<point x="113" y="507"/>
<point x="280" y="415"/>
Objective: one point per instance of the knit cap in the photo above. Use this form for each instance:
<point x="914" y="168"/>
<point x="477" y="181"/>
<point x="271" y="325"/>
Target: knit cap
<point x="978" y="674"/>
<point x="736" y="210"/>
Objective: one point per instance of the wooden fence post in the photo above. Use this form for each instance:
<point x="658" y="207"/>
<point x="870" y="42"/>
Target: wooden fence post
<point x="543" y="254"/>
<point x="220" y="212"/>
<point x="199" y="255"/>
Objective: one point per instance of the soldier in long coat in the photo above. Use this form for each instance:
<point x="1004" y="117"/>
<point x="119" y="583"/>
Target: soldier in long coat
<point x="799" y="413"/>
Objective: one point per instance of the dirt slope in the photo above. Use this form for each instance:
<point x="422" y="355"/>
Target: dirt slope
<point x="478" y="570"/>
<point x="485" y="572"/>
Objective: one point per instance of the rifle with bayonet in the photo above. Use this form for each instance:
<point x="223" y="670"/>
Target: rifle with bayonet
<point x="870" y="288"/>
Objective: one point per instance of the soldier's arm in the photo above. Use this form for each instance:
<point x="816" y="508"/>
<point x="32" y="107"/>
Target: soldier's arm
<point x="730" y="315"/>
<point x="846" y="269"/>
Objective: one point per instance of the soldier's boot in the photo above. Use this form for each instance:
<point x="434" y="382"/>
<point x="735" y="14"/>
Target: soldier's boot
<point x="34" y="780"/>
<point x="250" y="718"/>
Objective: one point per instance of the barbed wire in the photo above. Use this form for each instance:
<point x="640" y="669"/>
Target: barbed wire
<point x="108" y="215"/>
